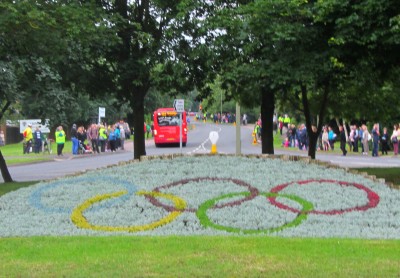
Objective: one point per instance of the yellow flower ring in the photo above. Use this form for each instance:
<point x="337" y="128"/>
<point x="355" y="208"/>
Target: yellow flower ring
<point x="80" y="220"/>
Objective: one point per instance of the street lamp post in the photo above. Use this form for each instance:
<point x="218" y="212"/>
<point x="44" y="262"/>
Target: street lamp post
<point x="238" y="140"/>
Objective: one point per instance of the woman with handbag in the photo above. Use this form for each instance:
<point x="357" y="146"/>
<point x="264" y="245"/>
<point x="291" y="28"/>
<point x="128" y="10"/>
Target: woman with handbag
<point x="395" y="139"/>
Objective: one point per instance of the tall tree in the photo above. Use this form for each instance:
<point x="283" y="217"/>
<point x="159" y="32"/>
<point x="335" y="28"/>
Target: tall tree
<point x="49" y="54"/>
<point x="307" y="52"/>
<point x="140" y="27"/>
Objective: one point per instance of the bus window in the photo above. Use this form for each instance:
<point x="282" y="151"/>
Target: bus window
<point x="168" y="119"/>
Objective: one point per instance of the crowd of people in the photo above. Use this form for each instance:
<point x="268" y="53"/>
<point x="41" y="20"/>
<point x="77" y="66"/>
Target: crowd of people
<point x="99" y="138"/>
<point x="96" y="138"/>
<point x="224" y="118"/>
<point x="354" y="139"/>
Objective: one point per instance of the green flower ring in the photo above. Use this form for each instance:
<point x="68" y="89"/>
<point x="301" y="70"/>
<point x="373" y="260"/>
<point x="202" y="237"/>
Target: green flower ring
<point x="207" y="222"/>
<point x="80" y="220"/>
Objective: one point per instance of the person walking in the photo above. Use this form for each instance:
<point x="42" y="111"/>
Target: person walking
<point x="122" y="137"/>
<point x="28" y="139"/>
<point x="365" y="139"/>
<point x="148" y="131"/>
<point x="2" y="139"/>
<point x="112" y="139"/>
<point x="361" y="136"/>
<point x="331" y="138"/>
<point x="384" y="141"/>
<point x="350" y="140"/>
<point x="93" y="137"/>
<point x="38" y="140"/>
<point x="60" y="140"/>
<point x="325" y="141"/>
<point x="343" y="140"/>
<point x="74" y="139"/>
<point x="395" y="139"/>
<point x="102" y="138"/>
<point x="375" y="140"/>
<point x="280" y="123"/>
<point x="356" y="137"/>
<point x="117" y="137"/>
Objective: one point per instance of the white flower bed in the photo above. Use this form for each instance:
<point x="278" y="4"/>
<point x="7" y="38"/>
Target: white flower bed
<point x="221" y="194"/>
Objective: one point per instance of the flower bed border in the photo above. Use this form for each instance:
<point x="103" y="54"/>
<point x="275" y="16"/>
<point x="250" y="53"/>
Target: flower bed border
<point x="284" y="157"/>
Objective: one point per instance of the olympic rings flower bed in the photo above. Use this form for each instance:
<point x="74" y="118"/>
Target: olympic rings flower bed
<point x="206" y="195"/>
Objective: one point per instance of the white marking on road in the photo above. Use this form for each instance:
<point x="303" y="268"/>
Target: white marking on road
<point x="201" y="148"/>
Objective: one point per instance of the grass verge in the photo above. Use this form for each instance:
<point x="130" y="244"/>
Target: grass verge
<point x="389" y="174"/>
<point x="12" y="186"/>
<point x="197" y="257"/>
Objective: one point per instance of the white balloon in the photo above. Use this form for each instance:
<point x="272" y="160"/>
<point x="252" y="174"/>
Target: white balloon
<point x="213" y="137"/>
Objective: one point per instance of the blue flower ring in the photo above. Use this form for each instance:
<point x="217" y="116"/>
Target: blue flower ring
<point x="207" y="222"/>
<point x="35" y="199"/>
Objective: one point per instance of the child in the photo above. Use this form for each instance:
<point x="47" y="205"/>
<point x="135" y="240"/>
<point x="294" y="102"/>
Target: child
<point x="286" y="143"/>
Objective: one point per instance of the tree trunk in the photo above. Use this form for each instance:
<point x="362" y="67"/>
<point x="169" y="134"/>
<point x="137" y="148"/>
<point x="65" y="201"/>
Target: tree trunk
<point x="312" y="146"/>
<point x="313" y="132"/>
<point x="4" y="109"/>
<point x="267" y="128"/>
<point x="3" y="166"/>
<point x="4" y="170"/>
<point x="139" y="147"/>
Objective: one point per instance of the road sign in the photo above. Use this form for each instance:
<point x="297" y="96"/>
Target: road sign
<point x="179" y="105"/>
<point x="102" y="112"/>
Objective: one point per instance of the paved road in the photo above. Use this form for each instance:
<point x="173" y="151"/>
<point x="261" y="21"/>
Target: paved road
<point x="198" y="142"/>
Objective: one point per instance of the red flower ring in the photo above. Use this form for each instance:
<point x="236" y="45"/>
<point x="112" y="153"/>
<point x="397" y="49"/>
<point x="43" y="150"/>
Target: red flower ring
<point x="373" y="198"/>
<point x="253" y="192"/>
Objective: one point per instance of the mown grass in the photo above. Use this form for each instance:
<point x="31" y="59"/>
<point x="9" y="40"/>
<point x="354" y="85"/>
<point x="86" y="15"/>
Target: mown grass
<point x="389" y="174"/>
<point x="197" y="256"/>
<point x="12" y="186"/>
<point x="17" y="149"/>
<point x="13" y="154"/>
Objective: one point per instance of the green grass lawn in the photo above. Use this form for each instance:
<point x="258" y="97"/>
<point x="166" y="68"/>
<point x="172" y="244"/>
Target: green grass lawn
<point x="197" y="257"/>
<point x="11" y="186"/>
<point x="389" y="174"/>
<point x="13" y="154"/>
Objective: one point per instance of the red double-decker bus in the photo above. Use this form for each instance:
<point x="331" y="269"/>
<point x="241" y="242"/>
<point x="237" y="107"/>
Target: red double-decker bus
<point x="166" y="127"/>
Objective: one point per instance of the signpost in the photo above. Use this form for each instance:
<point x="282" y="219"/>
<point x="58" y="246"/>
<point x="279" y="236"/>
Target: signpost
<point x="179" y="105"/>
<point x="102" y="113"/>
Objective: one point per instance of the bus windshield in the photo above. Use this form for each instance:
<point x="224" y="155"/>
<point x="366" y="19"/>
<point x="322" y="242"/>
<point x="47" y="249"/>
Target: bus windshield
<point x="170" y="118"/>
